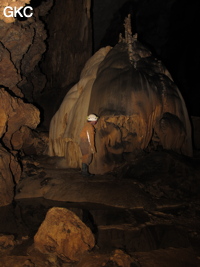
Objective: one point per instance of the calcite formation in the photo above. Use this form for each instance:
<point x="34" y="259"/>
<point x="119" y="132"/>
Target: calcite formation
<point x="76" y="101"/>
<point x="139" y="106"/>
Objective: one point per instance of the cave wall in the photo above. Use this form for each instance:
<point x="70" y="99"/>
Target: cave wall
<point x="69" y="47"/>
<point x="22" y="44"/>
<point x="42" y="56"/>
<point x="21" y="47"/>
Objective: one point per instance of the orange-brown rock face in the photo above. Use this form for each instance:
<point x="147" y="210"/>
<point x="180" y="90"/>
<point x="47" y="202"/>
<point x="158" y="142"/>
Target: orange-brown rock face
<point x="14" y="114"/>
<point x="64" y="130"/>
<point x="21" y="48"/>
<point x="63" y="234"/>
<point x="8" y="72"/>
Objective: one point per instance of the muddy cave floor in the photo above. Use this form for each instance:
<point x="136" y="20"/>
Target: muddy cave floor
<point x="149" y="208"/>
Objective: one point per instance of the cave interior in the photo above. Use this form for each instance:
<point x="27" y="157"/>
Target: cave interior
<point x="142" y="208"/>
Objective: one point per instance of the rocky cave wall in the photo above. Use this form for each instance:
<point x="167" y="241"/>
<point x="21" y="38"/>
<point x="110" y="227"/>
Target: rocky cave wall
<point x="23" y="42"/>
<point x="21" y="47"/>
<point x="50" y="36"/>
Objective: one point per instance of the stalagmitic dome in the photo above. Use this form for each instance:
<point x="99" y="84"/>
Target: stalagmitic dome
<point x="138" y="104"/>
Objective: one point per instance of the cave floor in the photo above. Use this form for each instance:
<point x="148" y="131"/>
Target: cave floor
<point x="149" y="209"/>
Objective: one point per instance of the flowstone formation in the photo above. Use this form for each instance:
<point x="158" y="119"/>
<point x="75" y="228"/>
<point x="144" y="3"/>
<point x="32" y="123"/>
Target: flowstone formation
<point x="139" y="106"/>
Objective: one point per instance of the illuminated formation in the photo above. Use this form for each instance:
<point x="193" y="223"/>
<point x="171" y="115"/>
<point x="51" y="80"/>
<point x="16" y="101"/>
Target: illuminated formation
<point x="137" y="101"/>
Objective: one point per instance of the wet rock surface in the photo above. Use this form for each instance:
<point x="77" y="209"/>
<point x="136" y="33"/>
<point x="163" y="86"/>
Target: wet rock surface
<point x="149" y="210"/>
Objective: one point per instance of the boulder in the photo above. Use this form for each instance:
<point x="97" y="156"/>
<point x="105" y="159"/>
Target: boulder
<point x="16" y="119"/>
<point x="63" y="234"/>
<point x="21" y="48"/>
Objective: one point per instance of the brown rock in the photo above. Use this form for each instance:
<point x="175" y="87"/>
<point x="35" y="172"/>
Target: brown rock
<point x="23" y="45"/>
<point x="30" y="142"/>
<point x="17" y="40"/>
<point x="7" y="242"/>
<point x="15" y="114"/>
<point x="121" y="259"/>
<point x="9" y="169"/>
<point x="23" y="136"/>
<point x="63" y="234"/>
<point x="3" y="121"/>
<point x="33" y="79"/>
<point x="8" y="72"/>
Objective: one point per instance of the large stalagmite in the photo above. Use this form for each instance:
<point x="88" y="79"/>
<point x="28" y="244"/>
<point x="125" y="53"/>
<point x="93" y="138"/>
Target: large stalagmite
<point x="138" y="103"/>
<point x="75" y="104"/>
